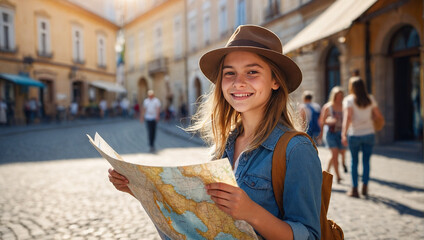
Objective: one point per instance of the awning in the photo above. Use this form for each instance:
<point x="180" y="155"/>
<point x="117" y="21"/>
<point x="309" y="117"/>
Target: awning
<point x="21" y="80"/>
<point x="109" y="86"/>
<point x="339" y="16"/>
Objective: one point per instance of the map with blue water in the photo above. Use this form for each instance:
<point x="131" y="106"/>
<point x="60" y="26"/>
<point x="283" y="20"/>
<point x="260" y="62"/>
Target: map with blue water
<point x="175" y="197"/>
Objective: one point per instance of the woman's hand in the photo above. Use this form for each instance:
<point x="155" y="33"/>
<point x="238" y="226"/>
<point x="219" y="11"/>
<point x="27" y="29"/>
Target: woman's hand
<point x="232" y="200"/>
<point x="344" y="140"/>
<point x="330" y="121"/>
<point x="120" y="182"/>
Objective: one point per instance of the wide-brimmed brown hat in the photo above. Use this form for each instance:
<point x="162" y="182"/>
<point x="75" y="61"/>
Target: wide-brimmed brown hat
<point x="258" y="40"/>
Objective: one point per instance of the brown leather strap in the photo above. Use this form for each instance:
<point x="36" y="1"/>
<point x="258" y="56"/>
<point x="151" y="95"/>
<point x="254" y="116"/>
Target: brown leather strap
<point x="278" y="172"/>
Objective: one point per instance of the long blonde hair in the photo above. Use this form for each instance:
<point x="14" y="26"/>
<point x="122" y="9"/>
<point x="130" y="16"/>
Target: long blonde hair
<point x="333" y="93"/>
<point x="215" y="119"/>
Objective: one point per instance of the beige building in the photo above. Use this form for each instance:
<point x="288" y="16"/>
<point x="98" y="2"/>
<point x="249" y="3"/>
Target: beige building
<point x="209" y="25"/>
<point x="155" y="52"/>
<point x="329" y="39"/>
<point x="189" y="28"/>
<point x="61" y="45"/>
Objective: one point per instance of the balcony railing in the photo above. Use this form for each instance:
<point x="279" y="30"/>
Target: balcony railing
<point x="44" y="54"/>
<point x="158" y="65"/>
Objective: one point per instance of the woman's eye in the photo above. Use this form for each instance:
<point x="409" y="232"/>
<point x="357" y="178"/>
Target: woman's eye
<point x="252" y="72"/>
<point x="228" y="73"/>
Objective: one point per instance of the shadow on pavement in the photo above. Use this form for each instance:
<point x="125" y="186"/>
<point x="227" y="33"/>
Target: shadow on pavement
<point x="401" y="208"/>
<point x="408" y="151"/>
<point x="397" y="186"/>
<point x="342" y="191"/>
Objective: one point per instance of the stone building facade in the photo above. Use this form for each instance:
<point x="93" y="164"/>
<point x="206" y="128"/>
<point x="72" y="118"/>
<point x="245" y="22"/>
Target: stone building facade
<point x="155" y="52"/>
<point x="328" y="39"/>
<point x="382" y="40"/>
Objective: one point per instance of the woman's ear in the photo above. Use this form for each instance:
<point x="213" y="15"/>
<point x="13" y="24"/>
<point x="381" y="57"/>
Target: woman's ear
<point x="275" y="85"/>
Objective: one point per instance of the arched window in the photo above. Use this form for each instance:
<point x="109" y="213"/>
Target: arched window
<point x="332" y="70"/>
<point x="406" y="38"/>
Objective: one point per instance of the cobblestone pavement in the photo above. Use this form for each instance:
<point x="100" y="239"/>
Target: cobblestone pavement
<point x="54" y="185"/>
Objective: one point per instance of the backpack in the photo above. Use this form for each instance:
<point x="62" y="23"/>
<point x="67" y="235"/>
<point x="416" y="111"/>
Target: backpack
<point x="329" y="229"/>
<point x="313" y="126"/>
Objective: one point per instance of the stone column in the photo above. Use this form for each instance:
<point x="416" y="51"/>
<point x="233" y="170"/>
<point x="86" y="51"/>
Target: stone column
<point x="383" y="94"/>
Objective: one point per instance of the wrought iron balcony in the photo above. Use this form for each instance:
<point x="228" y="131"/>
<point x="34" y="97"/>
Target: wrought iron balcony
<point x="158" y="65"/>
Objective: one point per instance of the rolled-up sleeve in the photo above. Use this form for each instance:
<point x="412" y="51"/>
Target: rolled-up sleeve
<point x="302" y="190"/>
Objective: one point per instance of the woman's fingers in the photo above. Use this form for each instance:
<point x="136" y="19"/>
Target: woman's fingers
<point x="119" y="181"/>
<point x="116" y="175"/>
<point x="220" y="186"/>
<point x="224" y="195"/>
<point x="219" y="194"/>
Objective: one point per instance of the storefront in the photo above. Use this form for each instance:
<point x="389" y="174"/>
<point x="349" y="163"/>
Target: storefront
<point x="21" y="94"/>
<point x="381" y="41"/>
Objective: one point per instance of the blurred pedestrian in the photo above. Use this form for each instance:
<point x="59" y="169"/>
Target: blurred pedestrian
<point x="136" y="109"/>
<point x="309" y="113"/>
<point x="10" y="112"/>
<point x="151" y="114"/>
<point x="358" y="130"/>
<point x="3" y="112"/>
<point x="27" y="112"/>
<point x="125" y="105"/>
<point x="331" y="121"/>
<point x="33" y="109"/>
<point x="115" y="109"/>
<point x="103" y="108"/>
<point x="73" y="110"/>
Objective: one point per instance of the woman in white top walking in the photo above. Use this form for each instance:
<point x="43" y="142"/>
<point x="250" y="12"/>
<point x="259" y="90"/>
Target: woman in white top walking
<point x="358" y="130"/>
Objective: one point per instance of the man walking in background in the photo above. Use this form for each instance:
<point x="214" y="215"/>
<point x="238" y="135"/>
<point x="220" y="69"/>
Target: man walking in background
<point x="309" y="112"/>
<point x="151" y="114"/>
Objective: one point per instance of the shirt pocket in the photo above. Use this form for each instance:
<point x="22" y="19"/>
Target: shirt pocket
<point x="257" y="183"/>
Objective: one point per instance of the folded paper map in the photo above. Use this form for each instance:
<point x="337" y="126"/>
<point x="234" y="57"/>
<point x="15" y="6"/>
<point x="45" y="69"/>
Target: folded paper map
<point x="175" y="198"/>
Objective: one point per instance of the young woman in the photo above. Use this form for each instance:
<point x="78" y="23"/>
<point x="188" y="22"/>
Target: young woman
<point x="243" y="116"/>
<point x="332" y="119"/>
<point x="358" y="130"/>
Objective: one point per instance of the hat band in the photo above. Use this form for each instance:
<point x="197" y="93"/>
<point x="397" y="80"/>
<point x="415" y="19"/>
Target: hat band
<point x="245" y="43"/>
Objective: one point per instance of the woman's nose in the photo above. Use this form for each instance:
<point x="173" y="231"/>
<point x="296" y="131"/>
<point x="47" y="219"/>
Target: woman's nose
<point x="239" y="80"/>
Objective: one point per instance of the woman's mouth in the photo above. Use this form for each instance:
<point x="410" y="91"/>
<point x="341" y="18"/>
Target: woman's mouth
<point x="241" y="95"/>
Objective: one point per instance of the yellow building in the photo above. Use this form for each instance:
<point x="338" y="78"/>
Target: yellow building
<point x="61" y="45"/>
<point x="155" y="52"/>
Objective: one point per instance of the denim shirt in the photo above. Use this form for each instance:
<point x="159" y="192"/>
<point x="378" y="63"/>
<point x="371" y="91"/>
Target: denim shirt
<point x="302" y="187"/>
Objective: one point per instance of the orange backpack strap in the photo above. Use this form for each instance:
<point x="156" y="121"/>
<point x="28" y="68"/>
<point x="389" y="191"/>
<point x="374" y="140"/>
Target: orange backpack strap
<point x="278" y="172"/>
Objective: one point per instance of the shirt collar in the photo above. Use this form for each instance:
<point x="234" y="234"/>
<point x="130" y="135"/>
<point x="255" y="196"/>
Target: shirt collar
<point x="274" y="136"/>
<point x="269" y="143"/>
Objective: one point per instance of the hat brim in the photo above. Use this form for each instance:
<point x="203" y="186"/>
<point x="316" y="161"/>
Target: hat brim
<point x="209" y="62"/>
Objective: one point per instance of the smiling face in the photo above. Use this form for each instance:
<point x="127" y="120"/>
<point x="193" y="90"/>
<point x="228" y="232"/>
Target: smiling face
<point x="247" y="82"/>
<point x="339" y="97"/>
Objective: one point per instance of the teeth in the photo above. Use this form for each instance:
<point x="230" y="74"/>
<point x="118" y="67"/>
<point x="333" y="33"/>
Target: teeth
<point x="242" y="95"/>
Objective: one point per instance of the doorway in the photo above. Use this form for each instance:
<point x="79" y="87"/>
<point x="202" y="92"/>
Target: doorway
<point x="404" y="50"/>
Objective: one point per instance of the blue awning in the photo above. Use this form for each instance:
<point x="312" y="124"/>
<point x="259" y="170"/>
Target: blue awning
<point x="21" y="80"/>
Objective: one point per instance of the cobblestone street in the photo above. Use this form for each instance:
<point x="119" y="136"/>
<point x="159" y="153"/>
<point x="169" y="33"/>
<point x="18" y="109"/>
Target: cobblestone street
<point x="54" y="185"/>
